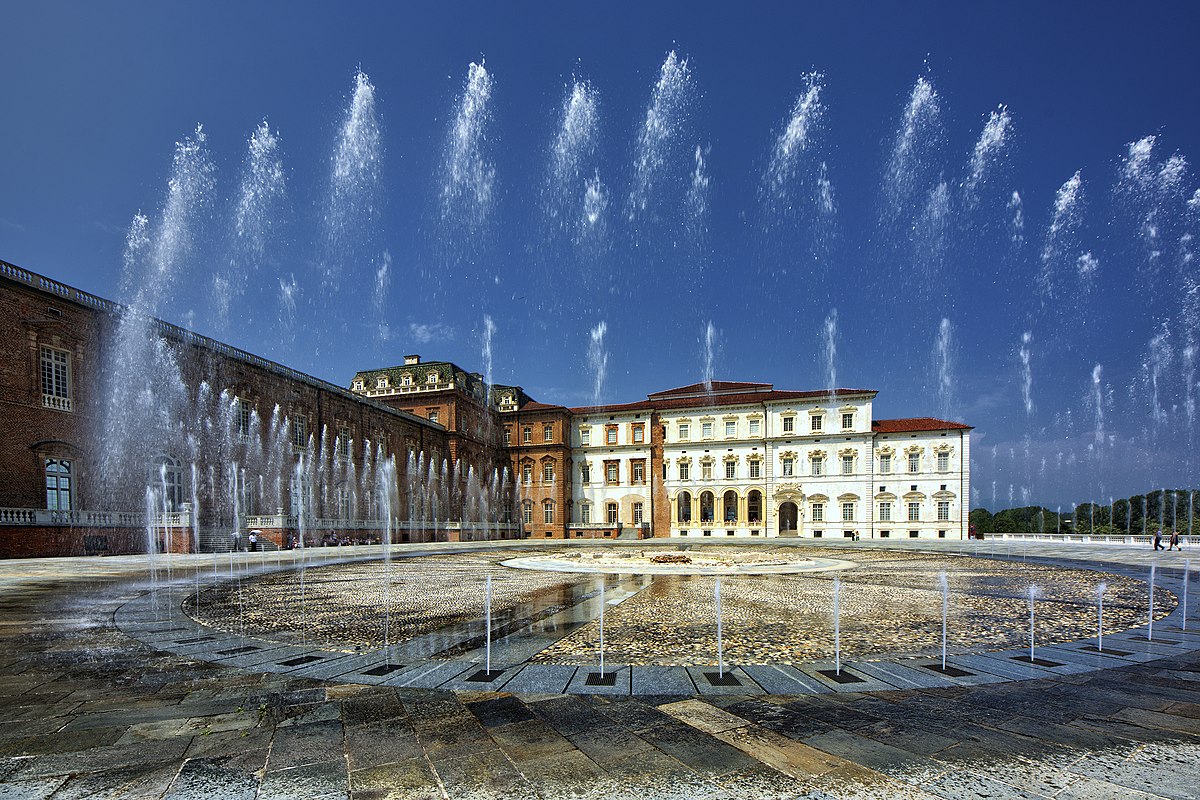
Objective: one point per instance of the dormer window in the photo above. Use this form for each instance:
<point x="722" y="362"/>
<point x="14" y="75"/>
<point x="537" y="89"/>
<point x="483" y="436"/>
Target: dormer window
<point x="432" y="378"/>
<point x="406" y="379"/>
<point x="359" y="385"/>
<point x="381" y="382"/>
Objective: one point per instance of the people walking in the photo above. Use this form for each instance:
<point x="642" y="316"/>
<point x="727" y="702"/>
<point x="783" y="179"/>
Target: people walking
<point x="1173" y="543"/>
<point x="1158" y="545"/>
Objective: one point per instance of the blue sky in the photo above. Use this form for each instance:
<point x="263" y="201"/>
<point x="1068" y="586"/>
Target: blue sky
<point x="96" y="96"/>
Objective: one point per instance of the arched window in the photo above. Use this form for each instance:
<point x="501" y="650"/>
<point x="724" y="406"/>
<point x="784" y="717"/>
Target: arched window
<point x="685" y="507"/>
<point x="707" y="502"/>
<point x="730" y="502"/>
<point x="166" y="478"/>
<point x="754" y="507"/>
<point x="58" y="484"/>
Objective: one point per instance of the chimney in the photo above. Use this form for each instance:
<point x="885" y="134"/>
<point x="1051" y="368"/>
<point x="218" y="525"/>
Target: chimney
<point x="410" y="360"/>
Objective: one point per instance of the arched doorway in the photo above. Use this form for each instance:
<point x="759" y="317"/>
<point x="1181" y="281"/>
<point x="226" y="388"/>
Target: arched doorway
<point x="789" y="518"/>
<point x="707" y="501"/>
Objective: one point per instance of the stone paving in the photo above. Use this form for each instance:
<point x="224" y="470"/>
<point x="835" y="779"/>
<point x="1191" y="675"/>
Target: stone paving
<point x="93" y="712"/>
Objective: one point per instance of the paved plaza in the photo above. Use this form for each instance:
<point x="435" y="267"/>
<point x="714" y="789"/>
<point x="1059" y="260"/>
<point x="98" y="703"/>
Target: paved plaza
<point x="111" y="691"/>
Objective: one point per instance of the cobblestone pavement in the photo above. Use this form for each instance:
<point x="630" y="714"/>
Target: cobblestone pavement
<point x="89" y="712"/>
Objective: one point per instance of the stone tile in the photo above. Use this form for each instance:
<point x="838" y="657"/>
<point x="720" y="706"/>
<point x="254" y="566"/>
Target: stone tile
<point x="530" y="739"/>
<point x="203" y="779"/>
<point x="381" y="743"/>
<point x="701" y="753"/>
<point x="325" y="780"/>
<point x="702" y="716"/>
<point x="608" y="744"/>
<point x="569" y="714"/>
<point x="484" y="775"/>
<point x="32" y="789"/>
<point x="298" y="745"/>
<point x="411" y="778"/>
<point x="499" y="711"/>
<point x="133" y="783"/>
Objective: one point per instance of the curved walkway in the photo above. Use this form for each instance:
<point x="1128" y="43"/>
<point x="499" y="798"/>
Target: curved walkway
<point x="93" y="712"/>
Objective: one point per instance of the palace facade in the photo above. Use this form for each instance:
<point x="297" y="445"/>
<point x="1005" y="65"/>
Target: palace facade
<point x="426" y="451"/>
<point x="724" y="459"/>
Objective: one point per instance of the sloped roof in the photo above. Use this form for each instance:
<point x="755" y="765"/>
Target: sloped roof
<point x="917" y="424"/>
<point x="676" y="398"/>
<point x="716" y="387"/>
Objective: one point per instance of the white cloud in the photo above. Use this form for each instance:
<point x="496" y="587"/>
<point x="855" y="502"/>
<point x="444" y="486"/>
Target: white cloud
<point x="422" y="333"/>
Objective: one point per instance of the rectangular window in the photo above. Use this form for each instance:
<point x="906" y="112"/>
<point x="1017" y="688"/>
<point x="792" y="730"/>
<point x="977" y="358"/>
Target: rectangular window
<point x="58" y="484"/>
<point x="508" y="437"/>
<point x="585" y="514"/>
<point x="639" y="434"/>
<point x="706" y="430"/>
<point x="637" y="513"/>
<point x="585" y="473"/>
<point x="548" y="472"/>
<point x="527" y="473"/>
<point x="914" y="462"/>
<point x="683" y="431"/>
<point x="433" y="415"/>
<point x="610" y="434"/>
<point x="818" y="423"/>
<point x="527" y="435"/>
<point x="885" y="512"/>
<point x="789" y="424"/>
<point x="789" y="467"/>
<point x="547" y="433"/>
<point x="755" y="427"/>
<point x="56" y="379"/>
<point x="756" y="469"/>
<point x="848" y="421"/>
<point x="730" y="429"/>
<point x="585" y="436"/>
<point x="818" y="510"/>
<point x="244" y="410"/>
<point x="548" y="513"/>
<point x="611" y="513"/>
<point x="300" y="431"/>
<point x="706" y="470"/>
<point x="885" y="465"/>
<point x="943" y="462"/>
<point x="943" y="510"/>
<point x="818" y="466"/>
<point x="730" y="470"/>
<point x="847" y="512"/>
<point x="914" y="512"/>
<point x="527" y="512"/>
<point x="847" y="465"/>
<point x="639" y="471"/>
<point x="685" y="471"/>
<point x="343" y="443"/>
<point x="611" y="472"/>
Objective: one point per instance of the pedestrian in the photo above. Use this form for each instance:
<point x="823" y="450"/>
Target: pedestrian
<point x="253" y="541"/>
<point x="1158" y="539"/>
<point x="1174" y="542"/>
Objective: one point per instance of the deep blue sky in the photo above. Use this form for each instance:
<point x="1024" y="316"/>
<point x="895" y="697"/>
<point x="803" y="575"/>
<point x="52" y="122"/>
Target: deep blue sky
<point x="94" y="96"/>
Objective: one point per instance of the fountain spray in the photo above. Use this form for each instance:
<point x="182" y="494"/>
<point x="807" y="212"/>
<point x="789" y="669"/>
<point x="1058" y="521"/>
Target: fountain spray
<point x="837" y="625"/>
<point x="1100" y="615"/>
<point x="945" y="584"/>
<point x="720" y="643"/>
<point x="487" y="605"/>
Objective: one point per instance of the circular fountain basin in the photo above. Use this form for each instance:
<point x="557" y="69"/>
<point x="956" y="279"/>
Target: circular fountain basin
<point x="677" y="563"/>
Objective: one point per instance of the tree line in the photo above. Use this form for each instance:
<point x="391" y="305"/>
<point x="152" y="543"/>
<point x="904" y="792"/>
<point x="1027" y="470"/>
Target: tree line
<point x="1170" y="509"/>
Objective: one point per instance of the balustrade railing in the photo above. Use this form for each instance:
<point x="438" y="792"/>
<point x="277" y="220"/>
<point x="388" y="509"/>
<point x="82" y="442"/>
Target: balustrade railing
<point x="46" y="517"/>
